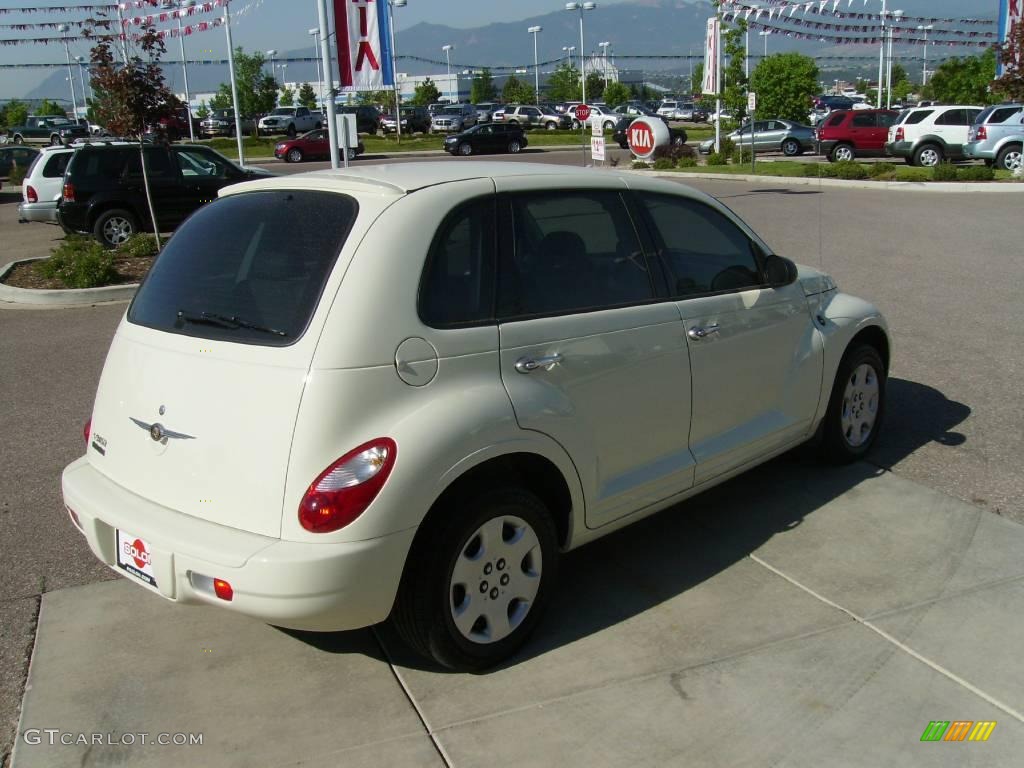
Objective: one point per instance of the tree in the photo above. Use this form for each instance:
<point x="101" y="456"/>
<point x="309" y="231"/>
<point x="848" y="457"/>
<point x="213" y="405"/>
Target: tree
<point x="564" y="83"/>
<point x="964" y="81"/>
<point x="17" y="113"/>
<point x="50" y="108"/>
<point x="697" y="80"/>
<point x="785" y="83"/>
<point x="734" y="94"/>
<point x="595" y="86"/>
<point x="1011" y="54"/>
<point x="483" y="87"/>
<point x="257" y="91"/>
<point x="516" y="91"/>
<point x="221" y="99"/>
<point x="615" y="94"/>
<point x="426" y="93"/>
<point x="641" y="92"/>
<point x="204" y="110"/>
<point x="130" y="97"/>
<point x="287" y="97"/>
<point x="307" y="96"/>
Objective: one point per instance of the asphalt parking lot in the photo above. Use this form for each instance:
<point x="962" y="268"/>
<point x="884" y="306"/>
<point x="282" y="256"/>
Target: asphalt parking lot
<point x="795" y="616"/>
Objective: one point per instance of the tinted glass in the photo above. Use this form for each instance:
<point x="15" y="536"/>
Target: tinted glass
<point x="1002" y="114"/>
<point x="885" y="119"/>
<point x="158" y="165"/>
<point x="836" y="119"/>
<point x="913" y="118"/>
<point x="970" y="116"/>
<point x="951" y="117"/>
<point x="56" y="165"/>
<point x="702" y="251"/>
<point x="458" y="282"/>
<point x="261" y="258"/>
<point x="863" y="121"/>
<point x="572" y="251"/>
<point x="109" y="164"/>
<point x="196" y="162"/>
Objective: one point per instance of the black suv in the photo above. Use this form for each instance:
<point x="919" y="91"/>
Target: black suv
<point x="487" y="137"/>
<point x="104" y="194"/>
<point x="368" y="118"/>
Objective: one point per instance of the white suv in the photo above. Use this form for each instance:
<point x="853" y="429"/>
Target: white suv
<point x="928" y="135"/>
<point x="404" y="391"/>
<point x="44" y="184"/>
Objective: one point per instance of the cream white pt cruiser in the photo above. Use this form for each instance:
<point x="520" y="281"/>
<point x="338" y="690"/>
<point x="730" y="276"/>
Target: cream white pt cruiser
<point x="402" y="391"/>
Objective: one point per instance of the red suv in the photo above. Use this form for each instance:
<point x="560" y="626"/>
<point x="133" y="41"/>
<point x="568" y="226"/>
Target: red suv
<point x="848" y="133"/>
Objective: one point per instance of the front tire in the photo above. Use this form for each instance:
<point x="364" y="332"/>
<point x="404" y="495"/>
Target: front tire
<point x="294" y="155"/>
<point x="513" y="147"/>
<point x="856" y="407"/>
<point x="478" y="579"/>
<point x="465" y="149"/>
<point x="115" y="227"/>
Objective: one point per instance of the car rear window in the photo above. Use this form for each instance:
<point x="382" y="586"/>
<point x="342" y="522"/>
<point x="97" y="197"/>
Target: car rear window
<point x="55" y="165"/>
<point x="248" y="268"/>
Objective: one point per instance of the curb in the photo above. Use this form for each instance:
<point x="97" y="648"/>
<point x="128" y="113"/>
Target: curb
<point x="423" y="153"/>
<point x="805" y="181"/>
<point x="60" y="298"/>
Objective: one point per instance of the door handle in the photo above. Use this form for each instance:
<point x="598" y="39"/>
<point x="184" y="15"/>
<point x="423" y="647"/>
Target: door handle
<point x="702" y="333"/>
<point x="531" y="364"/>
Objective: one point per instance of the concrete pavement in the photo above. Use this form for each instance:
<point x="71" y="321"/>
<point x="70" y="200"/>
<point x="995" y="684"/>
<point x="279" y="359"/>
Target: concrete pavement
<point x="826" y="618"/>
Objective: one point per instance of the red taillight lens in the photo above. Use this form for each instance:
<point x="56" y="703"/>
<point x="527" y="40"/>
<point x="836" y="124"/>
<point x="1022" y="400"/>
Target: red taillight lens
<point x="223" y="590"/>
<point x="345" y="489"/>
<point x="87" y="431"/>
<point x="899" y="134"/>
<point x="981" y="133"/>
<point x="69" y="193"/>
<point x="31" y="195"/>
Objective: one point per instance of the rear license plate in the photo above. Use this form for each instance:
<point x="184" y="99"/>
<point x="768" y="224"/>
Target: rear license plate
<point x="134" y="555"/>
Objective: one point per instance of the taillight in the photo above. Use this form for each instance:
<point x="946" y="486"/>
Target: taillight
<point x="345" y="489"/>
<point x="981" y="133"/>
<point x="899" y="134"/>
<point x="223" y="590"/>
<point x="87" y="431"/>
<point x="69" y="192"/>
<point x="31" y="195"/>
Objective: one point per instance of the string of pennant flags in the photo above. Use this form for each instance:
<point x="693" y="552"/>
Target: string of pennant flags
<point x="122" y="6"/>
<point x="844" y="40"/>
<point x="137" y="21"/>
<point x="821" y="8"/>
<point x="895" y="28"/>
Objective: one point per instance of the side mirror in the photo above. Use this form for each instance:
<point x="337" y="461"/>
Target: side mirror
<point x="779" y="271"/>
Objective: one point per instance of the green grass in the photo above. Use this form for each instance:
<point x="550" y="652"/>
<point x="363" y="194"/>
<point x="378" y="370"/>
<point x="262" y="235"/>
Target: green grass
<point x="794" y="169"/>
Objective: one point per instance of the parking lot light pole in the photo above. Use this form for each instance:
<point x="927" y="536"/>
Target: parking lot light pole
<point x="569" y="51"/>
<point x="881" y="59"/>
<point x="604" y="59"/>
<point x="888" y="67"/>
<point x="315" y="34"/>
<point x="536" y="65"/>
<point x="273" y="70"/>
<point x="325" y="58"/>
<point x="63" y="28"/>
<point x="448" y="58"/>
<point x="924" y="53"/>
<point x="81" y="79"/>
<point x="394" y="66"/>
<point x="183" y="5"/>
<point x="581" y="7"/>
<point x="234" y="84"/>
<point x="765" y="33"/>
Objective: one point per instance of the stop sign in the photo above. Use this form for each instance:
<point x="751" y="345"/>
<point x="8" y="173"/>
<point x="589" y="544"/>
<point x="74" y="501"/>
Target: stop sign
<point x="583" y="113"/>
<point x="646" y="135"/>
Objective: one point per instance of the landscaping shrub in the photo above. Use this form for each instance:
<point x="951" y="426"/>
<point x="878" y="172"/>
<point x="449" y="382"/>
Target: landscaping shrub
<point x="944" y="172"/>
<point x="639" y="165"/>
<point x="726" y="146"/>
<point x="79" y="262"/>
<point x="673" y="152"/>
<point x="821" y="170"/>
<point x="138" y="246"/>
<point x="664" y="164"/>
<point x="881" y="169"/>
<point x="848" y="169"/>
<point x="686" y="162"/>
<point x="718" y="158"/>
<point x="976" y="173"/>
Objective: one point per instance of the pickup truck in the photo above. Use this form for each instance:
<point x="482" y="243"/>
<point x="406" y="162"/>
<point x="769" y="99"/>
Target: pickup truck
<point x="290" y="120"/>
<point x="47" y="130"/>
<point x="221" y="122"/>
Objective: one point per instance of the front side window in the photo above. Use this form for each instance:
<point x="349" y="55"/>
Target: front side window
<point x="248" y="268"/>
<point x="457" y="287"/>
<point x="572" y="251"/>
<point x="196" y="162"/>
<point x="701" y="249"/>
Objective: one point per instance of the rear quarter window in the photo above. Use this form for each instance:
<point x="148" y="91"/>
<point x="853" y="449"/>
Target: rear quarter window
<point x="836" y="120"/>
<point x="248" y="268"/>
<point x="916" y="117"/>
<point x="1000" y="114"/>
<point x="56" y="165"/>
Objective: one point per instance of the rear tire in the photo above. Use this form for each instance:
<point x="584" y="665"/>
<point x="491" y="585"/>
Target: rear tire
<point x="856" y="407"/>
<point x="478" y="578"/>
<point x="928" y="156"/>
<point x="114" y="227"/>
<point x="842" y="152"/>
<point x="791" y="147"/>
<point x="291" y="131"/>
<point x="19" y="140"/>
<point x="1009" y="158"/>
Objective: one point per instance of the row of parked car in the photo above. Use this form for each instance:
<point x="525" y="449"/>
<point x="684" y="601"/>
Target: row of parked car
<point x="922" y="136"/>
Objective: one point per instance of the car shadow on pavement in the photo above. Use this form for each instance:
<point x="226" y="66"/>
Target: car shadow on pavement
<point x="754" y="192"/>
<point x="639" y="567"/>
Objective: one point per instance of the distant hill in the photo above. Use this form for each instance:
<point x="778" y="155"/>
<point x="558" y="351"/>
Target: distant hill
<point x="662" y="27"/>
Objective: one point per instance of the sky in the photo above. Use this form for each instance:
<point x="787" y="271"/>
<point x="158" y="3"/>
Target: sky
<point x="279" y="24"/>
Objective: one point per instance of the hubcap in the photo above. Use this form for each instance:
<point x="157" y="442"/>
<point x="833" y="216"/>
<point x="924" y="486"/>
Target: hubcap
<point x="1012" y="161"/>
<point x="789" y="148"/>
<point x="844" y="153"/>
<point x="117" y="230"/>
<point x="860" y="405"/>
<point x="295" y="155"/>
<point x="513" y="147"/>
<point x="465" y="149"/>
<point x="495" y="579"/>
<point x="929" y="157"/>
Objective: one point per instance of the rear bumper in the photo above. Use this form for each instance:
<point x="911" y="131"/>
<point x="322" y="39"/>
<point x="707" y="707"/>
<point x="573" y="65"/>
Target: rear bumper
<point x="825" y="146"/>
<point x="977" y="150"/>
<point x="899" y="148"/>
<point x="42" y="212"/>
<point x="299" y="585"/>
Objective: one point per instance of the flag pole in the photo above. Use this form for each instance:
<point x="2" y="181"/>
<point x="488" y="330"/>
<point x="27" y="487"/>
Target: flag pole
<point x="332" y="120"/>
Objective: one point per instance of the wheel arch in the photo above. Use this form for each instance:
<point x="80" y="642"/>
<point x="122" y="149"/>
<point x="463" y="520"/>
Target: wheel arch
<point x="100" y="207"/>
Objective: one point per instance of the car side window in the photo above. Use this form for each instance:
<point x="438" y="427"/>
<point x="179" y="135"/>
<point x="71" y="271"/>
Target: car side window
<point x="572" y="251"/>
<point x="863" y="121"/>
<point x="193" y="162"/>
<point x="158" y="165"/>
<point x="1002" y="114"/>
<point x="950" y="117"/>
<point x="701" y="249"/>
<point x="835" y="120"/>
<point x="302" y="112"/>
<point x="885" y="119"/>
<point x="916" y="117"/>
<point x="970" y="115"/>
<point x="56" y="165"/>
<point x="457" y="287"/>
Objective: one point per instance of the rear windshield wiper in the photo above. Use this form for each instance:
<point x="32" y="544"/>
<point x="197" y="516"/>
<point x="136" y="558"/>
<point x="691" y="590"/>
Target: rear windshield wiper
<point x="232" y="322"/>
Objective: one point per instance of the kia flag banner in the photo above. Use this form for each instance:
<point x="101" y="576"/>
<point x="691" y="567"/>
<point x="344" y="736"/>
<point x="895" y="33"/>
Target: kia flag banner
<point x="710" y="84"/>
<point x="1010" y="12"/>
<point x="364" y="44"/>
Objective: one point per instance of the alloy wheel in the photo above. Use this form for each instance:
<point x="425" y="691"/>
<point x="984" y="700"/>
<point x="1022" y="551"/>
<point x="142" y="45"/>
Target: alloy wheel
<point x="844" y="153"/>
<point x="117" y="230"/>
<point x="929" y="157"/>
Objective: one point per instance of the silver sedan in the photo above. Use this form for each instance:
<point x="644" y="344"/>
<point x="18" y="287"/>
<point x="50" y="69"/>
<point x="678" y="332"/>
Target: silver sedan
<point x="784" y="136"/>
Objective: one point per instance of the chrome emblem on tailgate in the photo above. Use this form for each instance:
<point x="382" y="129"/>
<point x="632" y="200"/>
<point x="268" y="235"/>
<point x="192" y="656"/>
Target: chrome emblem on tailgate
<point x="159" y="433"/>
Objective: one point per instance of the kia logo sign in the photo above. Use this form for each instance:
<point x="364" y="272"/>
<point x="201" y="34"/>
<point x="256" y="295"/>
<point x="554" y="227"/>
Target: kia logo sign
<point x="645" y="135"/>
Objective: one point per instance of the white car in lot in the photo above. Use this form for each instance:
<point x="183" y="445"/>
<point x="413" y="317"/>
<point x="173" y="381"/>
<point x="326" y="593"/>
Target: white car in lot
<point x="403" y="391"/>
<point x="44" y="184"/>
